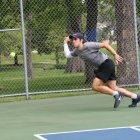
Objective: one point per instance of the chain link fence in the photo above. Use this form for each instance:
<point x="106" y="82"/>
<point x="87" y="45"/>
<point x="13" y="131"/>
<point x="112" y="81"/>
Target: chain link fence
<point x="47" y="22"/>
<point x="11" y="56"/>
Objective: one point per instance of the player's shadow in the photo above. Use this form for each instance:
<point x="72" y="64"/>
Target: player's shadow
<point x="101" y="109"/>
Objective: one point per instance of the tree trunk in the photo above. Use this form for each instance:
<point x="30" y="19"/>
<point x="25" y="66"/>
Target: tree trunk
<point x="28" y="39"/>
<point x="92" y="14"/>
<point x="57" y="56"/>
<point x="126" y="71"/>
<point x="29" y="54"/>
<point x="16" y="60"/>
<point x="73" y="25"/>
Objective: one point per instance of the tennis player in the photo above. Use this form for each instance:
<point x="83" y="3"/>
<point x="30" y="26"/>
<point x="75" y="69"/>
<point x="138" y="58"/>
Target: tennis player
<point x="105" y="78"/>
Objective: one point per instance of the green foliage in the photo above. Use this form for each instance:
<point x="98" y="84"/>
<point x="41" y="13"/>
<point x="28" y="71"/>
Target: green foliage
<point x="43" y="18"/>
<point x="9" y="14"/>
<point x="9" y="18"/>
<point x="138" y="7"/>
<point x="74" y="7"/>
<point x="10" y="42"/>
<point x="54" y="43"/>
<point x="46" y="19"/>
<point x="106" y="19"/>
<point x="13" y="81"/>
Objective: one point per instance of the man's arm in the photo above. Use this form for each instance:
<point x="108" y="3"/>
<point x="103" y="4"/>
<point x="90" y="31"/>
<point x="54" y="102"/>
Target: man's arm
<point x="106" y="45"/>
<point x="66" y="48"/>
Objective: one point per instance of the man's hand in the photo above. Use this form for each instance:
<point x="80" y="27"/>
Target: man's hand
<point x="66" y="40"/>
<point x="118" y="59"/>
<point x="105" y="44"/>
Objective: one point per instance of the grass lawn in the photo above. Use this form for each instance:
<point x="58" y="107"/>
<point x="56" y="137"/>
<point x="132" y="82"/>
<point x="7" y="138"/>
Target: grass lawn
<point x="46" y="76"/>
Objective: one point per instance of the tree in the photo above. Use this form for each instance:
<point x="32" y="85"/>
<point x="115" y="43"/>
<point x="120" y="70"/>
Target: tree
<point x="50" y="24"/>
<point x="126" y="42"/>
<point x="28" y="20"/>
<point x="10" y="41"/>
<point x="53" y="43"/>
<point x="138" y="7"/>
<point x="106" y="20"/>
<point x="92" y="14"/>
<point x="74" y="12"/>
<point x="42" y="19"/>
<point x="138" y="19"/>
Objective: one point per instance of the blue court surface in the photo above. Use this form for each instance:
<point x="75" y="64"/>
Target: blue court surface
<point x="119" y="133"/>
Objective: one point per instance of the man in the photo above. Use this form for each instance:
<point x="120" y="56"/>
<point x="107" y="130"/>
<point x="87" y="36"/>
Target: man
<point x="105" y="73"/>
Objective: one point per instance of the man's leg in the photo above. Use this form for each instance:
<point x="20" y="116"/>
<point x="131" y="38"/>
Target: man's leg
<point x="112" y="85"/>
<point x="98" y="85"/>
<point x="135" y="97"/>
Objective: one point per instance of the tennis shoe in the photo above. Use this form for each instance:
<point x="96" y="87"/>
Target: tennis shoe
<point x="118" y="99"/>
<point x="134" y="102"/>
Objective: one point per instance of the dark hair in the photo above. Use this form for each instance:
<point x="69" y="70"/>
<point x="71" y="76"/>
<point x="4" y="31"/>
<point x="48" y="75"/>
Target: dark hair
<point x="83" y="40"/>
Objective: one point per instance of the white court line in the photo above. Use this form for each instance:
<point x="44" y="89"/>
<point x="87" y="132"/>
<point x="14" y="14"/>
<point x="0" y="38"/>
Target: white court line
<point x="41" y="138"/>
<point x="79" y="131"/>
<point x="135" y="128"/>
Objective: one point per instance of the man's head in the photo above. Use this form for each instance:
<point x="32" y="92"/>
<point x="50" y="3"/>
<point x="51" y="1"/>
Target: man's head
<point x="77" y="39"/>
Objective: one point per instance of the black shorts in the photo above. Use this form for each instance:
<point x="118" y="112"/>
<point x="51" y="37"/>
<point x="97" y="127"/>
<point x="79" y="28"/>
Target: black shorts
<point x="106" y="71"/>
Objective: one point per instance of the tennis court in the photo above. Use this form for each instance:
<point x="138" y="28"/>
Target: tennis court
<point x="121" y="133"/>
<point x="79" y="117"/>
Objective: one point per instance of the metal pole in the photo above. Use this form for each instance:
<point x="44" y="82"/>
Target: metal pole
<point x="24" y="49"/>
<point x="7" y="30"/>
<point x="136" y="40"/>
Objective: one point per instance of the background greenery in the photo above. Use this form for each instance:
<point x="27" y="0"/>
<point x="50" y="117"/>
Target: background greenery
<point x="47" y="21"/>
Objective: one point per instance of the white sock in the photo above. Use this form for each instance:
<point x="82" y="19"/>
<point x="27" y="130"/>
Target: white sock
<point x="115" y="93"/>
<point x="134" y="96"/>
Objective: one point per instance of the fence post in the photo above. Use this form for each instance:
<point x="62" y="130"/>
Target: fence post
<point x="24" y="49"/>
